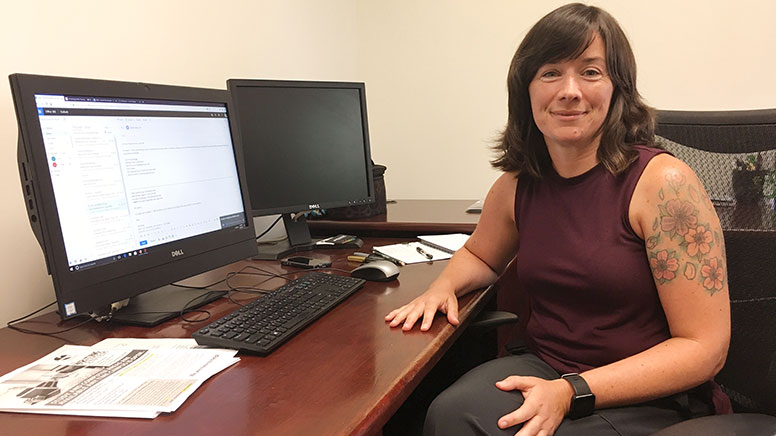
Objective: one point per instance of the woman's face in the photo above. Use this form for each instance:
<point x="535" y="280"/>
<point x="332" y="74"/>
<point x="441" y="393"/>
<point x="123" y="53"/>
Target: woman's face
<point x="570" y="99"/>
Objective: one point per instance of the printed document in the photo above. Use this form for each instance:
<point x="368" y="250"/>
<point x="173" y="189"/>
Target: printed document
<point x="122" y="378"/>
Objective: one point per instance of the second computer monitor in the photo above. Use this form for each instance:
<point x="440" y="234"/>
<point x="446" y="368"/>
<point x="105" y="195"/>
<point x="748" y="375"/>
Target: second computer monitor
<point x="306" y="147"/>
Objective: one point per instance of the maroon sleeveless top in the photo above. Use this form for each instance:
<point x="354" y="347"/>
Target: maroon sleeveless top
<point x="592" y="297"/>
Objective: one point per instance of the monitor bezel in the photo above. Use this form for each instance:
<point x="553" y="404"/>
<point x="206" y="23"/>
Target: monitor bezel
<point x="95" y="288"/>
<point x="233" y="84"/>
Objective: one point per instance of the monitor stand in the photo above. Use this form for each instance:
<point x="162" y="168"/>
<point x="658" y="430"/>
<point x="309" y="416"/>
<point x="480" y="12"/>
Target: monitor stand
<point x="298" y="240"/>
<point x="154" y="307"/>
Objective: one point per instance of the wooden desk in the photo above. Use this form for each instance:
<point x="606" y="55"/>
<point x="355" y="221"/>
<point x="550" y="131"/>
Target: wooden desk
<point x="405" y="218"/>
<point x="346" y="374"/>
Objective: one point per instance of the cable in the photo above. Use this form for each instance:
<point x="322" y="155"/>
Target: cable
<point x="227" y="293"/>
<point x="52" y="334"/>
<point x="29" y="315"/>
<point x="255" y="289"/>
<point x="207" y="313"/>
<point x="270" y="227"/>
<point x="346" y="271"/>
<point x="182" y="312"/>
<point x="197" y="287"/>
<point x="11" y="324"/>
<point x="251" y="289"/>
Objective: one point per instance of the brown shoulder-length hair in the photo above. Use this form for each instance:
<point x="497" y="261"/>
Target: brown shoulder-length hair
<point x="563" y="34"/>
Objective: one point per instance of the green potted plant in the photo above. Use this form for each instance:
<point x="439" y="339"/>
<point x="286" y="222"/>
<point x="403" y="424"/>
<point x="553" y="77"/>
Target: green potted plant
<point x="749" y="179"/>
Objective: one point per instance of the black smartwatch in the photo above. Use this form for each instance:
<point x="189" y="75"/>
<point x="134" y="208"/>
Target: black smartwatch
<point x="583" y="402"/>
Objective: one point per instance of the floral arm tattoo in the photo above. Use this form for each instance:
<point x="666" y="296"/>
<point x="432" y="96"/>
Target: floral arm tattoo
<point x="681" y="243"/>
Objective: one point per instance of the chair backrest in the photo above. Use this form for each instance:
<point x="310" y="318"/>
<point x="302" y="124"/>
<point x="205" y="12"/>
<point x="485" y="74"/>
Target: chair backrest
<point x="734" y="155"/>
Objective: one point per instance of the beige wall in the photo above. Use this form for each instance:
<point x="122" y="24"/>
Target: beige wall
<point x="434" y="69"/>
<point x="436" y="72"/>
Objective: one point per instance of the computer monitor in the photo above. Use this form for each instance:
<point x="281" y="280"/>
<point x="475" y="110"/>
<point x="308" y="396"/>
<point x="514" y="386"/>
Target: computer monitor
<point x="306" y="147"/>
<point x="130" y="187"/>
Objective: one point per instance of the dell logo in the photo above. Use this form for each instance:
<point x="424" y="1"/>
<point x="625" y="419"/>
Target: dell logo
<point x="314" y="206"/>
<point x="176" y="253"/>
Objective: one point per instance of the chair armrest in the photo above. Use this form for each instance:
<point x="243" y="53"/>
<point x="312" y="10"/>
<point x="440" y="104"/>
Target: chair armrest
<point x="492" y="319"/>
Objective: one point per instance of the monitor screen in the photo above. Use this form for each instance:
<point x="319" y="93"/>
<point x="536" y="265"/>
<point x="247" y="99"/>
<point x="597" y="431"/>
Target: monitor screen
<point x="130" y="186"/>
<point x="306" y="144"/>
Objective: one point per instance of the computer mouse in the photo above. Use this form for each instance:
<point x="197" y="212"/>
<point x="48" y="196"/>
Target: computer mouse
<point x="376" y="271"/>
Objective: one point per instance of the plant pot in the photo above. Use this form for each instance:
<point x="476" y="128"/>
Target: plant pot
<point x="748" y="185"/>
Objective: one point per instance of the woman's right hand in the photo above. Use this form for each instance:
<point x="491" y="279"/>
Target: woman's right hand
<point x="425" y="306"/>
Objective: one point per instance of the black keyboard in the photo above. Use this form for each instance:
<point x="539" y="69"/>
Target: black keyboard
<point x="267" y="322"/>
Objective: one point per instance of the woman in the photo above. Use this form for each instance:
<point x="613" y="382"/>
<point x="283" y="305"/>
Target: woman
<point x="618" y="249"/>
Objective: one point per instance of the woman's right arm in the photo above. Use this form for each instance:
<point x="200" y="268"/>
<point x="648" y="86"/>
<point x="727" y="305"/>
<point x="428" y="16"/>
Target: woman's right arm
<point x="477" y="264"/>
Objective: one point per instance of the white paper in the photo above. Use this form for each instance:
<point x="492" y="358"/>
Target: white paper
<point x="98" y="413"/>
<point x="137" y="381"/>
<point x="408" y="253"/>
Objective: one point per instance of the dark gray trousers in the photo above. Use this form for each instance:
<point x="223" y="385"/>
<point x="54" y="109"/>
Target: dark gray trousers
<point x="473" y="405"/>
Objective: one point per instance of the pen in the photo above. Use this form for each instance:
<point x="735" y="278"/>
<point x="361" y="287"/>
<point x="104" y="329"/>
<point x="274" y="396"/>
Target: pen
<point x="388" y="258"/>
<point x="429" y="256"/>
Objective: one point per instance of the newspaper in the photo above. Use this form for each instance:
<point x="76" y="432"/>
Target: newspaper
<point x="131" y="378"/>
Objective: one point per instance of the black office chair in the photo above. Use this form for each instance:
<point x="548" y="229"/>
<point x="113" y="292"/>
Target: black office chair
<point x="734" y="155"/>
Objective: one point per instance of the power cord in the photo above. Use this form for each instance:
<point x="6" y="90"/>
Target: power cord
<point x="270" y="227"/>
<point x="184" y="310"/>
<point x="295" y="217"/>
<point x="31" y="314"/>
<point x="227" y="293"/>
<point x="12" y="324"/>
<point x="255" y="288"/>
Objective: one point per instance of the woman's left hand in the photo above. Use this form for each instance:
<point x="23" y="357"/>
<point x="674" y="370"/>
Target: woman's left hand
<point x="545" y="404"/>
